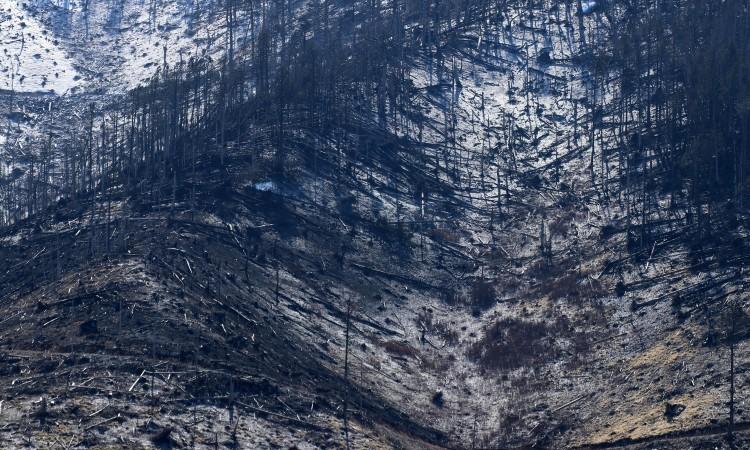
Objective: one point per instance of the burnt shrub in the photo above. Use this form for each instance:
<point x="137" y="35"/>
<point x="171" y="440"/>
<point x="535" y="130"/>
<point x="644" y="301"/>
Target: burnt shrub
<point x="438" y="399"/>
<point x="399" y="348"/>
<point x="444" y="235"/>
<point x="425" y="321"/>
<point x="607" y="231"/>
<point x="565" y="286"/>
<point x="483" y="294"/>
<point x="512" y="343"/>
<point x="560" y="226"/>
<point x="451" y="296"/>
<point x="571" y="285"/>
<point x="88" y="327"/>
<point x="620" y="289"/>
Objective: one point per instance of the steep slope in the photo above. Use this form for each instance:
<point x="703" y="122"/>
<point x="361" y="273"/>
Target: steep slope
<point x="33" y="59"/>
<point x="451" y="274"/>
<point x="168" y="331"/>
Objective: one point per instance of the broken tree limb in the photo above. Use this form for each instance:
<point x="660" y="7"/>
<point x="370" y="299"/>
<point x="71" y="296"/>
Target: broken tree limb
<point x="394" y="276"/>
<point x="132" y="386"/>
<point x="281" y="416"/>
<point x="572" y="402"/>
<point x="103" y="422"/>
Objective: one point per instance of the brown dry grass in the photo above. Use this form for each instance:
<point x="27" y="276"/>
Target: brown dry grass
<point x="636" y="423"/>
<point x="658" y="355"/>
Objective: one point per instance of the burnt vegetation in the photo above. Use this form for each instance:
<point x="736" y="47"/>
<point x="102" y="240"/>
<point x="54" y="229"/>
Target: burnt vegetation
<point x="513" y="343"/>
<point x="328" y="208"/>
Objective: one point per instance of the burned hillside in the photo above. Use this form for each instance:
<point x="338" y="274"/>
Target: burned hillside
<point x="357" y="224"/>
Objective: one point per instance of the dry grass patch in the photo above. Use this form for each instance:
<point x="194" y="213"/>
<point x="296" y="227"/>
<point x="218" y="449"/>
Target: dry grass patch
<point x="661" y="354"/>
<point x="650" y="420"/>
